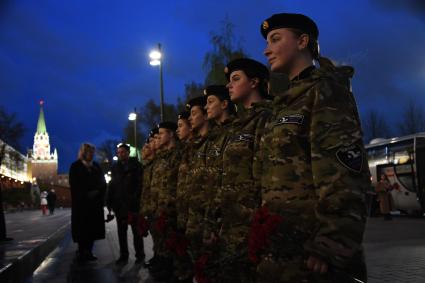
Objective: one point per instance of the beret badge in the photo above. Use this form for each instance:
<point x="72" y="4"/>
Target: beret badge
<point x="265" y="25"/>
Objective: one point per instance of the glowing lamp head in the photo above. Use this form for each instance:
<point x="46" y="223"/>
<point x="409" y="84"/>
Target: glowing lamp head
<point x="155" y="55"/>
<point x="132" y="116"/>
<point x="155" y="62"/>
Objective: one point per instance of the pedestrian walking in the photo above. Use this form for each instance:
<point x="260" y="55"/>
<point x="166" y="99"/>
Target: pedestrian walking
<point x="43" y="202"/>
<point x="51" y="201"/>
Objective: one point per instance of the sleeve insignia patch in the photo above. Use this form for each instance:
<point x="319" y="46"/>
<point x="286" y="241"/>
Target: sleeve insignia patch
<point x="290" y="119"/>
<point x="351" y="157"/>
<point x="242" y="138"/>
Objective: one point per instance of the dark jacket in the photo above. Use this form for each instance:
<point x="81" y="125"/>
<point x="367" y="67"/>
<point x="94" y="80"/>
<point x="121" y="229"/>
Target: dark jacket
<point x="87" y="193"/>
<point x="51" y="199"/>
<point x="125" y="188"/>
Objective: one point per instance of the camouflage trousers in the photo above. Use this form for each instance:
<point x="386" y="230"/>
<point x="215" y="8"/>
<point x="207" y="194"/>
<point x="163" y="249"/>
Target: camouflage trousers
<point x="232" y="257"/>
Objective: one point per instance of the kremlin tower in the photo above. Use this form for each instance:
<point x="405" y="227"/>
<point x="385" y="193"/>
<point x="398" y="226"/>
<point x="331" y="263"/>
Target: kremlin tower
<point x="43" y="163"/>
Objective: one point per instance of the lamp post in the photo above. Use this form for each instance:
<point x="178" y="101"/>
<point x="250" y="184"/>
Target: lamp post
<point x="133" y="117"/>
<point x="156" y="57"/>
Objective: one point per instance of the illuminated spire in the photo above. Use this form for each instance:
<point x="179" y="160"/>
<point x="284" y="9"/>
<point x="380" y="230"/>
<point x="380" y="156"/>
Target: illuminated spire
<point x="41" y="125"/>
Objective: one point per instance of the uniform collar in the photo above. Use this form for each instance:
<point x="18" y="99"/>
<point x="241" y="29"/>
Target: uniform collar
<point x="304" y="74"/>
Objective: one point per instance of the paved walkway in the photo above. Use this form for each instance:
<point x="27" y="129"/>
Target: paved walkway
<point x="395" y="251"/>
<point x="34" y="237"/>
<point x="60" y="266"/>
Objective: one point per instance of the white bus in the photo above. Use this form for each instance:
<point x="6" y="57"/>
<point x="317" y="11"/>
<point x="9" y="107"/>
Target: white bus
<point x="402" y="159"/>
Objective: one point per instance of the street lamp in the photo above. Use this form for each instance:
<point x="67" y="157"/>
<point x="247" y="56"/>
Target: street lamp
<point x="156" y="56"/>
<point x="133" y="117"/>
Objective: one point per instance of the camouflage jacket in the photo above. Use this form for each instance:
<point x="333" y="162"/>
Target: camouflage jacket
<point x="196" y="180"/>
<point x="216" y="141"/>
<point x="168" y="168"/>
<point x="182" y="192"/>
<point x="239" y="194"/>
<point x="315" y="170"/>
<point x="145" y="201"/>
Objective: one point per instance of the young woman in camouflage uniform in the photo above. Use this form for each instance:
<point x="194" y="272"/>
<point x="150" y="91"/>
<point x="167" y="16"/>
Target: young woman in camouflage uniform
<point x="221" y="113"/>
<point x="315" y="171"/>
<point x="164" y="183"/>
<point x="182" y="262"/>
<point x="196" y="175"/>
<point x="238" y="196"/>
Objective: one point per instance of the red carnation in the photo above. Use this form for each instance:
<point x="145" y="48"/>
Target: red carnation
<point x="199" y="269"/>
<point x="177" y="243"/>
<point x="131" y="217"/>
<point x="160" y="223"/>
<point x="263" y="225"/>
<point x="143" y="226"/>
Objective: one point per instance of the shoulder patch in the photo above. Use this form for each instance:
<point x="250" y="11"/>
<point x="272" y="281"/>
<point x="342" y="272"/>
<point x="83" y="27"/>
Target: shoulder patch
<point x="290" y="119"/>
<point x="242" y="138"/>
<point x="351" y="157"/>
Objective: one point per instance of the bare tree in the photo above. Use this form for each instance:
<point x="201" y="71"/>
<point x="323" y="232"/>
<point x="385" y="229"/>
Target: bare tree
<point x="192" y="90"/>
<point x="413" y="119"/>
<point x="107" y="149"/>
<point x="375" y="126"/>
<point x="148" y="116"/>
<point x="225" y="49"/>
<point x="11" y="132"/>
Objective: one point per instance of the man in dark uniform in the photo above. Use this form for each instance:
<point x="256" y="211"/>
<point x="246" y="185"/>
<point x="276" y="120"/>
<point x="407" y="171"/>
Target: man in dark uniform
<point x="123" y="198"/>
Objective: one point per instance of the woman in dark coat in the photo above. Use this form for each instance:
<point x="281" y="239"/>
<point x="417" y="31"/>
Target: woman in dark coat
<point x="383" y="189"/>
<point x="88" y="188"/>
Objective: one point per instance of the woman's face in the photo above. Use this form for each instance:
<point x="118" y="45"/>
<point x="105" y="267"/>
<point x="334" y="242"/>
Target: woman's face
<point x="156" y="142"/>
<point x="183" y="129"/>
<point x="145" y="151"/>
<point x="197" y="118"/>
<point x="240" y="86"/>
<point x="215" y="107"/>
<point x="89" y="155"/>
<point x="165" y="137"/>
<point x="283" y="46"/>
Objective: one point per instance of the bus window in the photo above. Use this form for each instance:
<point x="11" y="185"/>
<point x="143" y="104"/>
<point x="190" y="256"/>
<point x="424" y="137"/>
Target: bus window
<point x="405" y="176"/>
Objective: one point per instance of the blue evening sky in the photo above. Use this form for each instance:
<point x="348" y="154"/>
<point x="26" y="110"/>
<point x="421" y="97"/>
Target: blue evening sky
<point x="89" y="59"/>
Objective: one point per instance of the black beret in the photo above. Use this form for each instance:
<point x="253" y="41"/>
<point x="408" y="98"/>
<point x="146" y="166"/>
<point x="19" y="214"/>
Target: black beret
<point x="220" y="91"/>
<point x="183" y="115"/>
<point x="168" y="125"/>
<point x="251" y="68"/>
<point x="288" y="20"/>
<point x="197" y="101"/>
<point x="153" y="132"/>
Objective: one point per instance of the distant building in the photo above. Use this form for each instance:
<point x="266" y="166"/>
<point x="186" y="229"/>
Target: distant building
<point x="43" y="164"/>
<point x="39" y="167"/>
<point x="14" y="166"/>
